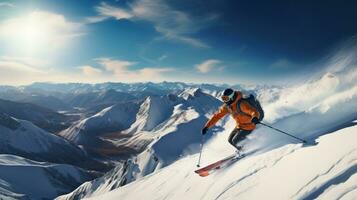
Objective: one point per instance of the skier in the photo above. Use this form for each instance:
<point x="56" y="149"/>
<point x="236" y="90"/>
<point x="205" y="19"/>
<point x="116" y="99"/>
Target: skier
<point x="246" y="116"/>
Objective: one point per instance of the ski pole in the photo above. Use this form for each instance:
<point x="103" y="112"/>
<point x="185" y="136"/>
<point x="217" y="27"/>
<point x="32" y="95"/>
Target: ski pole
<point x="304" y="141"/>
<point x="199" y="158"/>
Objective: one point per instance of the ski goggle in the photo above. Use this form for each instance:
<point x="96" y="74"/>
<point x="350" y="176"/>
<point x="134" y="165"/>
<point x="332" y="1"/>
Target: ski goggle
<point x="226" y="98"/>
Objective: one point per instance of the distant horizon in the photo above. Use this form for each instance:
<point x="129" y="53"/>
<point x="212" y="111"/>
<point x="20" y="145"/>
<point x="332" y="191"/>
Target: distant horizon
<point x="129" y="83"/>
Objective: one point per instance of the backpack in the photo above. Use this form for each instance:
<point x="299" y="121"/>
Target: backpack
<point x="253" y="102"/>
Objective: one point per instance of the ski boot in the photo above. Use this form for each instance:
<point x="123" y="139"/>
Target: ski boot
<point x="239" y="151"/>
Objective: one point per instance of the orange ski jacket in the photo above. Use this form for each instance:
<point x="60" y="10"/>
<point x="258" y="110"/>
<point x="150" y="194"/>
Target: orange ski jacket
<point x="243" y="117"/>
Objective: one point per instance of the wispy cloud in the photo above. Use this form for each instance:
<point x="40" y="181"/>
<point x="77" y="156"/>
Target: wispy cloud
<point x="106" y="11"/>
<point x="7" y="65"/>
<point x="27" y="61"/>
<point x="18" y="71"/>
<point x="118" y="67"/>
<point x="208" y="65"/>
<point x="122" y="70"/>
<point x="173" y="24"/>
<point x="162" y="57"/>
<point x="151" y="73"/>
<point x="90" y="71"/>
<point x="7" y="4"/>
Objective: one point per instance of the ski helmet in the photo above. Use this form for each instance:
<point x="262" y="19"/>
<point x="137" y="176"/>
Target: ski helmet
<point x="228" y="96"/>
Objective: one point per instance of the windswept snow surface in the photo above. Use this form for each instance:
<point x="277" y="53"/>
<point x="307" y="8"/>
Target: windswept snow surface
<point x="323" y="104"/>
<point x="331" y="87"/>
<point x="21" y="178"/>
<point x="288" y="172"/>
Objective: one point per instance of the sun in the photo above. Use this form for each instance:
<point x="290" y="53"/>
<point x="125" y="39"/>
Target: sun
<point x="38" y="32"/>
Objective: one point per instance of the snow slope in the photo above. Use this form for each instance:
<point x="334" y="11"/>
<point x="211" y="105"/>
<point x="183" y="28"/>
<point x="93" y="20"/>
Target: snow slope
<point x="21" y="178"/>
<point x="113" y="179"/>
<point x="288" y="172"/>
<point x="22" y="138"/>
<point x="153" y="111"/>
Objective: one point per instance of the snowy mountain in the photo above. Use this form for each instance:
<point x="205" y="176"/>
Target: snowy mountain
<point x="21" y="178"/>
<point x="140" y="90"/>
<point x="108" y="122"/>
<point x="128" y="128"/>
<point x="22" y="138"/>
<point x="43" y="117"/>
<point x="176" y="136"/>
<point x="172" y="136"/>
<point x="153" y="111"/>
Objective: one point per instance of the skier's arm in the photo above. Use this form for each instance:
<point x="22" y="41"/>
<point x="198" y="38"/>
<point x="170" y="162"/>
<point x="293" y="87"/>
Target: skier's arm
<point x="248" y="109"/>
<point x="217" y="116"/>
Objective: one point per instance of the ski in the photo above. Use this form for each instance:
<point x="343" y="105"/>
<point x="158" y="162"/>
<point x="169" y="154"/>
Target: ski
<point x="209" y="169"/>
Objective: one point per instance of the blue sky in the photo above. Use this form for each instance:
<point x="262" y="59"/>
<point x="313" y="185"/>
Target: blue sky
<point x="217" y="41"/>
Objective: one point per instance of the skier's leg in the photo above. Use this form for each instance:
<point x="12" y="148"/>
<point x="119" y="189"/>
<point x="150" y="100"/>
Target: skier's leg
<point x="239" y="137"/>
<point x="231" y="137"/>
<point x="242" y="134"/>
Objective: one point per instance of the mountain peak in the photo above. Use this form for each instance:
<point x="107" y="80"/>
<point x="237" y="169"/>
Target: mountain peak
<point x="190" y="93"/>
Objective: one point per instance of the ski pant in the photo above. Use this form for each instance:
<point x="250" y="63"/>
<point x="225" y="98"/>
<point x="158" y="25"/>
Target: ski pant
<point x="237" y="135"/>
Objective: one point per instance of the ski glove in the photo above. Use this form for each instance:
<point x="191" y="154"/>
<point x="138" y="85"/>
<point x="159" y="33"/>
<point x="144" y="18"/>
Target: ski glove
<point x="204" y="130"/>
<point x="255" y="120"/>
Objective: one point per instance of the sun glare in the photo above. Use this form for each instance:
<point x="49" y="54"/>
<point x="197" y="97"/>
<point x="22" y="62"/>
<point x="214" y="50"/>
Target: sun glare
<point x="35" y="36"/>
<point x="38" y="32"/>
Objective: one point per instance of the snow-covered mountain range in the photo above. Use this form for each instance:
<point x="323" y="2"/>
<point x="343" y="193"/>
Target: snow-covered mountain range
<point x="22" y="138"/>
<point x="322" y="110"/>
<point x="45" y="118"/>
<point x="107" y="128"/>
